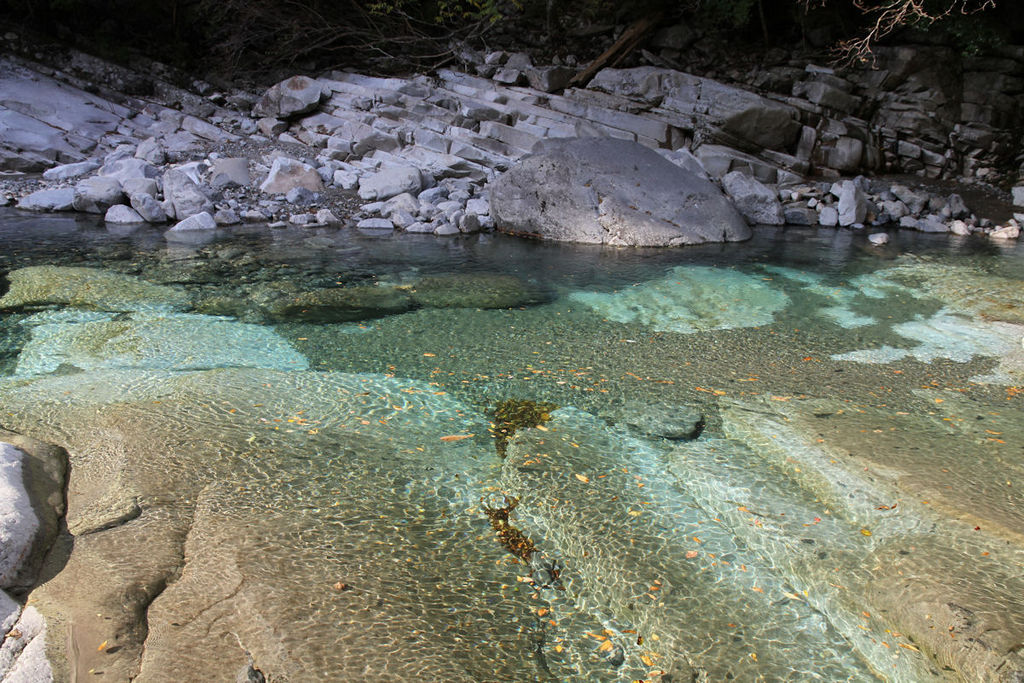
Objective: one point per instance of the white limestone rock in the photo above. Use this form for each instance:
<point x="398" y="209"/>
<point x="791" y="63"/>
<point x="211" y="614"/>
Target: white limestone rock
<point x="23" y="650"/>
<point x="152" y="151"/>
<point x="230" y="172"/>
<point x="200" y="221"/>
<point x="129" y="167"/>
<point x="183" y="191"/>
<point x="18" y="521"/>
<point x="57" y="199"/>
<point x="149" y="208"/>
<point x="390" y="181"/>
<point x="291" y="97"/>
<point x="119" y="213"/>
<point x="853" y="207"/>
<point x="97" y="194"/>
<point x="68" y="171"/>
<point x="375" y="224"/>
<point x="287" y="174"/>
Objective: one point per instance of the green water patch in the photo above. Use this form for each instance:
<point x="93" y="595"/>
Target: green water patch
<point x="690" y="299"/>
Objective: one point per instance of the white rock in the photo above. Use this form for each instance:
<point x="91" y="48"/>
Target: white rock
<point x="18" y="522"/>
<point x="1018" y="195"/>
<point x="390" y="181"/>
<point x="757" y="203"/>
<point x="182" y="190"/>
<point x="853" y="206"/>
<point x="326" y="217"/>
<point x="152" y="151"/>
<point x="23" y="650"/>
<point x="149" y="208"/>
<point x="1007" y="232"/>
<point x="878" y="238"/>
<point x="97" y="194"/>
<point x="402" y="202"/>
<point x="199" y="221"/>
<point x="58" y="199"/>
<point x="346" y="180"/>
<point x="469" y="223"/>
<point x="296" y="95"/>
<point x="230" y="172"/>
<point x="479" y="206"/>
<point x="829" y="217"/>
<point x="402" y="219"/>
<point x="286" y="174"/>
<point x="226" y="217"/>
<point x="375" y="224"/>
<point x="130" y="167"/>
<point x="446" y="229"/>
<point x="9" y="613"/>
<point x="67" y="171"/>
<point x="132" y="186"/>
<point x="119" y="213"/>
<point x="960" y="228"/>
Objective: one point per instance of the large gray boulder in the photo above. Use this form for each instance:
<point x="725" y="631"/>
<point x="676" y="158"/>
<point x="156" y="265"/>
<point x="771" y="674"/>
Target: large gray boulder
<point x="296" y="95"/>
<point x="607" y="191"/>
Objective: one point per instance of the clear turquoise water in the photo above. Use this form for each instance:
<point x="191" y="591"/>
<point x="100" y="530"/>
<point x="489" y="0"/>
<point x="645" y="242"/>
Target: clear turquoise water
<point x="324" y="447"/>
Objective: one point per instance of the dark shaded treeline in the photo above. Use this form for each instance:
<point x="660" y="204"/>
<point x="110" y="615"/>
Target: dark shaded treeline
<point x="258" y="36"/>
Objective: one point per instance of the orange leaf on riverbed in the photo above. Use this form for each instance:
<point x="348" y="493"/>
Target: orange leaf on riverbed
<point x="457" y="437"/>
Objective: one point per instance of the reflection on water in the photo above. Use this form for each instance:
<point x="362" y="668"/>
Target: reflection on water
<point x="317" y="406"/>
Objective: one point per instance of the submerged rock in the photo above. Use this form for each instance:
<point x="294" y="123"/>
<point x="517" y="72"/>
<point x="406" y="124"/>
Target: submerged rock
<point x="174" y="341"/>
<point x="662" y="420"/>
<point x="91" y="288"/>
<point x="691" y="299"/>
<point x="476" y="290"/>
<point x="340" y="304"/>
<point x="607" y="191"/>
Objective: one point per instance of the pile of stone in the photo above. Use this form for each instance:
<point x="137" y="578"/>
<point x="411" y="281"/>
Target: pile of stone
<point x="420" y="152"/>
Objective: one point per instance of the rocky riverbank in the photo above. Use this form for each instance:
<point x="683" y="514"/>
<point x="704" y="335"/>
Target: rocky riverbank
<point x="418" y="154"/>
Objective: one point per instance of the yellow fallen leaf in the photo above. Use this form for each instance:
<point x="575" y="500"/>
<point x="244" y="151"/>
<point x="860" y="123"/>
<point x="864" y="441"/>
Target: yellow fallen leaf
<point x="583" y="478"/>
<point x="605" y="646"/>
<point x="456" y="437"/>
<point x="865" y="532"/>
<point x="102" y="646"/>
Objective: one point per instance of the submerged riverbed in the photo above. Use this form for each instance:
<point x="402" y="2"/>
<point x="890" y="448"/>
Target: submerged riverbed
<point x="796" y="458"/>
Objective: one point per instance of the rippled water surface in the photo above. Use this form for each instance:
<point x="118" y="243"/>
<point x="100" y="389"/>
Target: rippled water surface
<point x="741" y="462"/>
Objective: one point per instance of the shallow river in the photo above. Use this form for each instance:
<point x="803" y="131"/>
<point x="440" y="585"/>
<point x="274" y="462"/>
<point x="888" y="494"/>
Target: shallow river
<point x="393" y="457"/>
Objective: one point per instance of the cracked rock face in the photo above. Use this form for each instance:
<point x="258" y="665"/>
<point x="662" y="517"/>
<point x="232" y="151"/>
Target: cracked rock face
<point x="615" y="192"/>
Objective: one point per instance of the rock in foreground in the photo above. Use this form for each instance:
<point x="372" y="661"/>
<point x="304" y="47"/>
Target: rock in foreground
<point x="605" y="191"/>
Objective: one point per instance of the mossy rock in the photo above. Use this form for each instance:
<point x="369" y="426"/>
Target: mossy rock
<point x="514" y="414"/>
<point x="340" y="304"/>
<point x="474" y="290"/>
<point x="42" y="286"/>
